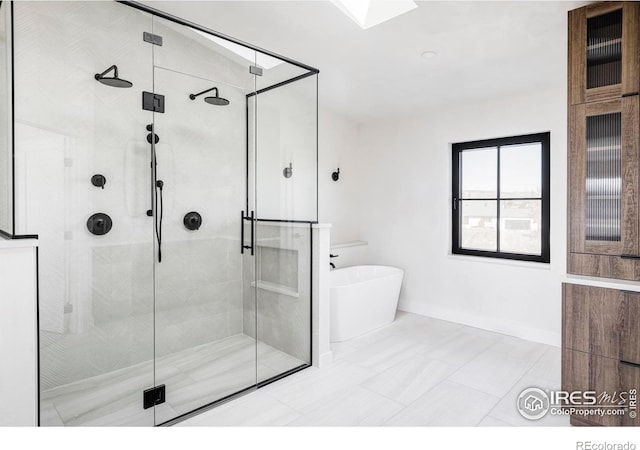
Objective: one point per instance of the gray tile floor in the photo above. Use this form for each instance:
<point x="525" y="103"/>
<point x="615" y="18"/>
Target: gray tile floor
<point x="193" y="376"/>
<point x="418" y="371"/>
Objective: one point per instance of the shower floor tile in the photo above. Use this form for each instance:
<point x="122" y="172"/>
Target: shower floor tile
<point x="418" y="371"/>
<point x="194" y="377"/>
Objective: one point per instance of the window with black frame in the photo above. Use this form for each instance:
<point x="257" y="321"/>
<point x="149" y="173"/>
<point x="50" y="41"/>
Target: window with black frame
<point x="501" y="198"/>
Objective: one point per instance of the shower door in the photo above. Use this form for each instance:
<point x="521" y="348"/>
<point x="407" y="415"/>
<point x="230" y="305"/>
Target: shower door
<point x="232" y="280"/>
<point x="203" y="353"/>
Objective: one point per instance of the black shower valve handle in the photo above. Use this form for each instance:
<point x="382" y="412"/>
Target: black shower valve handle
<point x="192" y="221"/>
<point x="99" y="180"/>
<point x="99" y="224"/>
<point x="333" y="256"/>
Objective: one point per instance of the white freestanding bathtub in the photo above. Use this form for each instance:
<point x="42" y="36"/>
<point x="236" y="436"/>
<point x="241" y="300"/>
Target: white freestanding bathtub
<point x="363" y="298"/>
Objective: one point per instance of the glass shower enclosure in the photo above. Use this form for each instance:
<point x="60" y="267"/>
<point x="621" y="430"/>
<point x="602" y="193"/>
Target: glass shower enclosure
<point x="170" y="173"/>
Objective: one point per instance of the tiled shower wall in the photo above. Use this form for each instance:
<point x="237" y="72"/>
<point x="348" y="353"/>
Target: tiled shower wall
<point x="97" y="292"/>
<point x="191" y="308"/>
<point x="283" y="313"/>
<point x="5" y="123"/>
<point x="105" y="304"/>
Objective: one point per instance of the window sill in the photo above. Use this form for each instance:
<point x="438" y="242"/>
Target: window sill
<point x="499" y="261"/>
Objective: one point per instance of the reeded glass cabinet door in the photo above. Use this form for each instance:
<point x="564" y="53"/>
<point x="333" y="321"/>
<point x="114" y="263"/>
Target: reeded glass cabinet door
<point x="603" y="51"/>
<point x="603" y="177"/>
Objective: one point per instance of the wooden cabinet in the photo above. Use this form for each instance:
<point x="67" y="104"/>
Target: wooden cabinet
<point x="603" y="51"/>
<point x="600" y="338"/>
<point x="604" y="141"/>
<point x="586" y="372"/>
<point x="630" y="328"/>
<point x="601" y="327"/>
<point x="603" y="177"/>
<point x="592" y="318"/>
<point x="621" y="381"/>
<point x="630" y="381"/>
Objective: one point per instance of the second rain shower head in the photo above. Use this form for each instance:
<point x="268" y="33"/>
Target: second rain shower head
<point x="113" y="81"/>
<point x="212" y="100"/>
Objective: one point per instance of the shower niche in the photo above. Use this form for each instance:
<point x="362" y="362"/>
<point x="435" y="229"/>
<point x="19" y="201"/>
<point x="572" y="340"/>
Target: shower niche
<point x="164" y="297"/>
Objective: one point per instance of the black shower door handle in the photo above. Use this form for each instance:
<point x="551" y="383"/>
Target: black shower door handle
<point x="242" y="219"/>
<point x="242" y="232"/>
<point x="252" y="231"/>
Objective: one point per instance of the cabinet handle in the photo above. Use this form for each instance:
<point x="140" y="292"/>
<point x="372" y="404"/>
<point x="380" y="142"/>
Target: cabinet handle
<point x="627" y="363"/>
<point x="630" y="256"/>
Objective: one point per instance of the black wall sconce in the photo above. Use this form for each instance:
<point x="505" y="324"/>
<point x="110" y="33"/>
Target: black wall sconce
<point x="335" y="176"/>
<point x="288" y="171"/>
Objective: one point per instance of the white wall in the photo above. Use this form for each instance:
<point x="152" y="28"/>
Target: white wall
<point x="404" y="194"/>
<point x="18" y="369"/>
<point x="338" y="202"/>
<point x="286" y="126"/>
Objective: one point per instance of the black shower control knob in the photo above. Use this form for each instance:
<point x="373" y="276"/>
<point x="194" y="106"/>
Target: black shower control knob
<point x="98" y="180"/>
<point x="288" y="171"/>
<point x="150" y="138"/>
<point x="192" y="221"/>
<point x="99" y="224"/>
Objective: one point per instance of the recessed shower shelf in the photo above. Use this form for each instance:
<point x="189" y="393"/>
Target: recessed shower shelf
<point x="288" y="243"/>
<point x="277" y="288"/>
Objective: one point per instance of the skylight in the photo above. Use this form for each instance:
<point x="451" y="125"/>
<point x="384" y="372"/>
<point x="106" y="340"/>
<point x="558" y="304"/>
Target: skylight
<point x="260" y="59"/>
<point x="368" y="13"/>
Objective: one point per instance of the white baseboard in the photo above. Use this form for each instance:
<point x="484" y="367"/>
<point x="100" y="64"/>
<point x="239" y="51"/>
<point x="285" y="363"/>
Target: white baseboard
<point x="511" y="328"/>
<point x="325" y="360"/>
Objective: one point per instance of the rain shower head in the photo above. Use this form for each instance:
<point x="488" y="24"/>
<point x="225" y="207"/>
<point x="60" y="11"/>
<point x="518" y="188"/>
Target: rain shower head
<point x="215" y="100"/>
<point x="113" y="81"/>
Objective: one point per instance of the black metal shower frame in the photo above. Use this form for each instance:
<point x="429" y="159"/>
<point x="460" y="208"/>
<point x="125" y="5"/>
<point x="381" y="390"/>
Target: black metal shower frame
<point x="11" y="234"/>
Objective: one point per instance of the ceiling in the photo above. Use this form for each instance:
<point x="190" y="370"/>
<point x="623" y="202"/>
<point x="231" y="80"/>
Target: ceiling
<point x="485" y="49"/>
